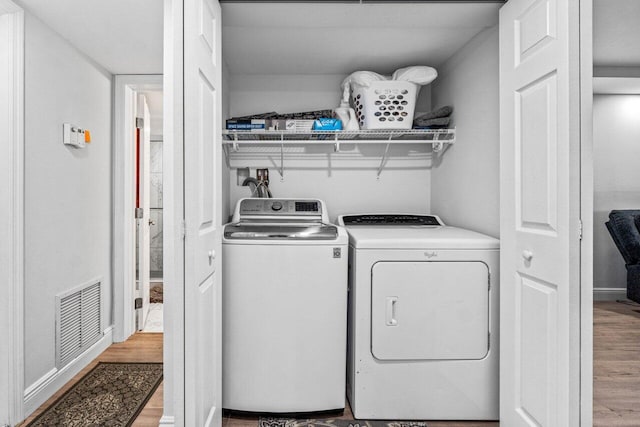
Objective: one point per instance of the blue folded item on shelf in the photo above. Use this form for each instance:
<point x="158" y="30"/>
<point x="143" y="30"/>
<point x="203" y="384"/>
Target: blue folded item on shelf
<point x="326" y="123"/>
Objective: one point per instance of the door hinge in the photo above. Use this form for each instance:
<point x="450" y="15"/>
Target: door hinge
<point x="139" y="122"/>
<point x="580" y="229"/>
<point x="139" y="212"/>
<point x="184" y="229"/>
<point x="137" y="303"/>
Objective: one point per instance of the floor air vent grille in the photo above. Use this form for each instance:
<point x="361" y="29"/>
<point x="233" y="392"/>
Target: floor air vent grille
<point x="78" y="321"/>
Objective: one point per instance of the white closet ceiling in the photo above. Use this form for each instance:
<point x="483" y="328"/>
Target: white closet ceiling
<point x="616" y="33"/>
<point x="123" y="36"/>
<point x="314" y="38"/>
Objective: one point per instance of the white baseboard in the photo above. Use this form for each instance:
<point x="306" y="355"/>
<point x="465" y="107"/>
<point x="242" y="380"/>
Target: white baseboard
<point x="167" y="420"/>
<point x="41" y="390"/>
<point x="609" y="294"/>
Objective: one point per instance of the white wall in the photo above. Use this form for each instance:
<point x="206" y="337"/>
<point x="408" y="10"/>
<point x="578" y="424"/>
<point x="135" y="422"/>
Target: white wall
<point x="67" y="190"/>
<point x="350" y="190"/>
<point x="347" y="183"/>
<point x="252" y="94"/>
<point x="616" y="154"/>
<point x="465" y="186"/>
<point x="225" y="169"/>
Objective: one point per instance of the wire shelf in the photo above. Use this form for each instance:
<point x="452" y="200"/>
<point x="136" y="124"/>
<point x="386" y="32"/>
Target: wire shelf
<point x="362" y="136"/>
<point x="437" y="138"/>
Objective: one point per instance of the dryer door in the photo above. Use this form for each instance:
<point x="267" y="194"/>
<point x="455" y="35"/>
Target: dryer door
<point x="429" y="310"/>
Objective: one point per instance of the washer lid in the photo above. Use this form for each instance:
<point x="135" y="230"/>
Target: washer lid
<point x="418" y="237"/>
<point x="280" y="232"/>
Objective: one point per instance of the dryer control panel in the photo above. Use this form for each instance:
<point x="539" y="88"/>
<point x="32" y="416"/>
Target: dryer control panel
<point x="391" y="219"/>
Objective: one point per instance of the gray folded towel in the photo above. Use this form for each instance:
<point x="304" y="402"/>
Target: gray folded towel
<point x="438" y="121"/>
<point x="435" y="114"/>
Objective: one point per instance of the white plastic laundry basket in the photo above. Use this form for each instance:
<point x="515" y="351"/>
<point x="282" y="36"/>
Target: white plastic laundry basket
<point x="385" y="104"/>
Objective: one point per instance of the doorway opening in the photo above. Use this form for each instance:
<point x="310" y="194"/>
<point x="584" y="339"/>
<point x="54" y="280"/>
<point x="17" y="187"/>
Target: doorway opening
<point x="138" y="203"/>
<point x="616" y="209"/>
<point x="149" y="230"/>
<point x="616" y="132"/>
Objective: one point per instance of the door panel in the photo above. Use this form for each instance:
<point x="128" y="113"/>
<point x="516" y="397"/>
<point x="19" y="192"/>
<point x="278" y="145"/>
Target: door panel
<point x="538" y="337"/>
<point x="534" y="28"/>
<point x="202" y="145"/>
<point x="535" y="110"/>
<point x="429" y="310"/>
<point x="539" y="126"/>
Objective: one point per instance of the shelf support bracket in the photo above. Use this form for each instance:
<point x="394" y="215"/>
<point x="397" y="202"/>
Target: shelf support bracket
<point x="282" y="158"/>
<point x="336" y="145"/>
<point x="225" y="148"/>
<point x="235" y="143"/>
<point x="384" y="158"/>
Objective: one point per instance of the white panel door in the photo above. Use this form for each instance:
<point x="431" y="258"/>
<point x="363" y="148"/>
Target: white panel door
<point x="202" y="148"/>
<point x="540" y="283"/>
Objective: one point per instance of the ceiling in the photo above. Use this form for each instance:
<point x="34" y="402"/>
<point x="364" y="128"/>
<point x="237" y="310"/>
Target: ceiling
<point x="315" y="38"/>
<point x="616" y="33"/>
<point x="123" y="36"/>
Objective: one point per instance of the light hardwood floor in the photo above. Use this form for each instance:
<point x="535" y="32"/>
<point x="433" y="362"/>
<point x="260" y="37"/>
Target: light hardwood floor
<point x="141" y="347"/>
<point x="616" y="375"/>
<point x="616" y="364"/>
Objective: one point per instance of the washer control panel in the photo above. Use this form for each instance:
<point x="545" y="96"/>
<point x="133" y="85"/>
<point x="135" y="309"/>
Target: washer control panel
<point x="277" y="207"/>
<point x="391" y="219"/>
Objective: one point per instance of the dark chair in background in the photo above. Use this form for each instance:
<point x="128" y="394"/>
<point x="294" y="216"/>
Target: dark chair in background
<point x="624" y="227"/>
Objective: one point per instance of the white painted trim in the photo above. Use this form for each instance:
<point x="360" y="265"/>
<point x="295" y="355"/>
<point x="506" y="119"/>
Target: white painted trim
<point x="586" y="213"/>
<point x="40" y="383"/>
<point x="12" y="225"/>
<point x="173" y="198"/>
<point x="616" y="85"/>
<point x="609" y="294"/>
<point x="616" y="71"/>
<point x="45" y="387"/>
<point x="124" y="199"/>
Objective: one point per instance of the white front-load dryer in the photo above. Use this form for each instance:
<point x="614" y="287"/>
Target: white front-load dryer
<point x="423" y="319"/>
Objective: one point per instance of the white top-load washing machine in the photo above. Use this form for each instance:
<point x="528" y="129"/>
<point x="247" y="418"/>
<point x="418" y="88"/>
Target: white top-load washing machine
<point x="284" y="308"/>
<point x="423" y="319"/>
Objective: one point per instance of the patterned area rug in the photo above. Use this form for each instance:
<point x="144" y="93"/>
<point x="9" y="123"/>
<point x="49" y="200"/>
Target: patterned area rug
<point x="293" y="422"/>
<point x="111" y="394"/>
